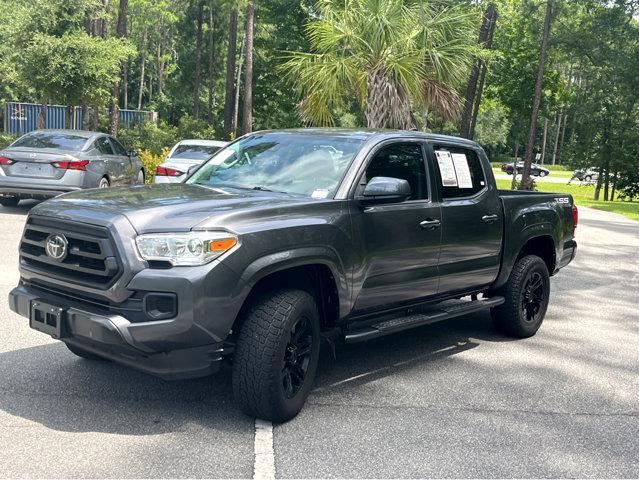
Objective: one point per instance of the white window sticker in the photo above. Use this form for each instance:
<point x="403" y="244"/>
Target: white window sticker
<point x="446" y="168"/>
<point x="320" y="193"/>
<point x="464" y="179"/>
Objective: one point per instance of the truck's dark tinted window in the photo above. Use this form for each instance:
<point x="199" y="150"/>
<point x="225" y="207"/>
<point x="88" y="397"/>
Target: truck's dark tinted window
<point x="402" y="160"/>
<point x="102" y="145"/>
<point x="461" y="173"/>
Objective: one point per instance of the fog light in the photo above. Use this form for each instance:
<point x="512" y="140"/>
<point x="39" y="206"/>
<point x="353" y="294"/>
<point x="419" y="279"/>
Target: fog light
<point x="160" y="306"/>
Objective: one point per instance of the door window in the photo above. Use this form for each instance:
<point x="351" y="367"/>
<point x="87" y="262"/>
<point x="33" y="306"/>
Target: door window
<point x="103" y="146"/>
<point x="460" y="170"/>
<point x="117" y="147"/>
<point x="401" y="160"/>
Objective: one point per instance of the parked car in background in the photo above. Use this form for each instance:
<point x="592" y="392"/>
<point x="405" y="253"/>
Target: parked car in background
<point x="588" y="175"/>
<point x="46" y="163"/>
<point x="535" y="170"/>
<point x="184" y="155"/>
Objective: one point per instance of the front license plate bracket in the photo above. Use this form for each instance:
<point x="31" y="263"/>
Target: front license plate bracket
<point x="47" y="319"/>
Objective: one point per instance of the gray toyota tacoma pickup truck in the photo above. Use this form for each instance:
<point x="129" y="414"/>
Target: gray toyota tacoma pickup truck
<point x="285" y="236"/>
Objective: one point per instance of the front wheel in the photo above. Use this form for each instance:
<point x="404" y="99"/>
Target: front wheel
<point x="527" y="293"/>
<point x="140" y="179"/>
<point x="542" y="174"/>
<point x="276" y="355"/>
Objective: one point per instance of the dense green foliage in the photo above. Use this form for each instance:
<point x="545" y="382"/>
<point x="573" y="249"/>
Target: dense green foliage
<point x="343" y="62"/>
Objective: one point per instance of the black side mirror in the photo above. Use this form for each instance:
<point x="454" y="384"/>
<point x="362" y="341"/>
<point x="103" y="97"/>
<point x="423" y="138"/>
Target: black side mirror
<point x="385" y="190"/>
<point x="131" y="153"/>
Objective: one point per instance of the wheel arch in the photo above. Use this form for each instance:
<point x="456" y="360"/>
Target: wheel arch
<point x="320" y="274"/>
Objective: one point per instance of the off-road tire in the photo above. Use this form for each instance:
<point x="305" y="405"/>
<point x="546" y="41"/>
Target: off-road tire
<point x="511" y="317"/>
<point x="9" y="201"/>
<point x="81" y="352"/>
<point x="262" y="348"/>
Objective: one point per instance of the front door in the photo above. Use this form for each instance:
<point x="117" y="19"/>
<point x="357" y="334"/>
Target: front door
<point x="398" y="243"/>
<point x="472" y="220"/>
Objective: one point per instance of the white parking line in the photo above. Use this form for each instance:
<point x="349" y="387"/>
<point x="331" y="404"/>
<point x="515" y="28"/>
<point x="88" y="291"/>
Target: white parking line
<point x="264" y="463"/>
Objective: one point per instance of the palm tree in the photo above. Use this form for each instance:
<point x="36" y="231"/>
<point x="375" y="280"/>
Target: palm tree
<point x="392" y="56"/>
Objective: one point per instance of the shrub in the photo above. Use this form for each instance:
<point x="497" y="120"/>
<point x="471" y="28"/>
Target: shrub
<point x="150" y="161"/>
<point x="6" y="139"/>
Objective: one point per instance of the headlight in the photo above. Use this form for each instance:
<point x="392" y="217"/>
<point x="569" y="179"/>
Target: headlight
<point x="190" y="248"/>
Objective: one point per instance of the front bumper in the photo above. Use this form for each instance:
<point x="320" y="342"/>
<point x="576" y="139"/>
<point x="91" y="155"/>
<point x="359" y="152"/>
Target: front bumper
<point x="114" y="337"/>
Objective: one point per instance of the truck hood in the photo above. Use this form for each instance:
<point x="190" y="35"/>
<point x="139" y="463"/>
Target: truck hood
<point x="166" y="207"/>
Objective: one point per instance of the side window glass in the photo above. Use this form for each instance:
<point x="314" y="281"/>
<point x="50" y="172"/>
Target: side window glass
<point x="460" y="171"/>
<point x="117" y="147"/>
<point x="401" y="160"/>
<point x="103" y="146"/>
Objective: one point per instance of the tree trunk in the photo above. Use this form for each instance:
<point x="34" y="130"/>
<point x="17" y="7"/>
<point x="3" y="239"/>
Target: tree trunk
<point x="96" y="117"/>
<point x="68" y="120"/>
<point x="614" y="185"/>
<point x="125" y="84"/>
<point x="198" y="61"/>
<point x="85" y="117"/>
<point x="142" y="66"/>
<point x="42" y="115"/>
<point x="526" y="183"/>
<point x="230" y="70"/>
<point x="514" y="180"/>
<point x="563" y="136"/>
<point x="211" y="79"/>
<point x="238" y="80"/>
<point x="160" y="69"/>
<point x="607" y="178"/>
<point x="543" y="141"/>
<point x="114" y="120"/>
<point x="472" y="92"/>
<point x="599" y="182"/>
<point x="557" y="134"/>
<point x="247" y="107"/>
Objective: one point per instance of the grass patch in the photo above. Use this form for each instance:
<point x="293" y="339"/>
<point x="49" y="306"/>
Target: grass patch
<point x="583" y="195"/>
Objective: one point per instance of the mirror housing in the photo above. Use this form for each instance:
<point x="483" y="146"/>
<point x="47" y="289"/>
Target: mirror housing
<point x="131" y="153"/>
<point x="385" y="190"/>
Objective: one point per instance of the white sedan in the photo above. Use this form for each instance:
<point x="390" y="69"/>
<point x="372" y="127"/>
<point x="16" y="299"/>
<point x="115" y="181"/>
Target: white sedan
<point x="184" y="155"/>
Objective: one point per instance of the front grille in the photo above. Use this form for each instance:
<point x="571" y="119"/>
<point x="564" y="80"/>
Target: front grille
<point x="91" y="259"/>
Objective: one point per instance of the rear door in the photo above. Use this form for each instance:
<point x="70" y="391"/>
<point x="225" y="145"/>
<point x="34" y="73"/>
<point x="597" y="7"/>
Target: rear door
<point x="114" y="166"/>
<point x="399" y="251"/>
<point x="472" y="219"/>
<point x="121" y="157"/>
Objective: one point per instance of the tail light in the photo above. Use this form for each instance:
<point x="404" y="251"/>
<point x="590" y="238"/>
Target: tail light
<point x="167" y="172"/>
<point x="71" y="164"/>
<point x="575" y="216"/>
<point x="6" y="161"/>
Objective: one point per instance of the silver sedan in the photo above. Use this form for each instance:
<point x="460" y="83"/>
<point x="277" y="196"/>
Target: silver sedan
<point x="46" y="163"/>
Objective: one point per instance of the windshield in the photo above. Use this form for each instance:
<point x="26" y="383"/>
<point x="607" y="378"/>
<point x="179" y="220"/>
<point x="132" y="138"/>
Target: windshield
<point x="57" y="140"/>
<point x="299" y="163"/>
<point x="194" y="152"/>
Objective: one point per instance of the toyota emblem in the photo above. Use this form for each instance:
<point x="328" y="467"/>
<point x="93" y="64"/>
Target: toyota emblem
<point x="56" y="246"/>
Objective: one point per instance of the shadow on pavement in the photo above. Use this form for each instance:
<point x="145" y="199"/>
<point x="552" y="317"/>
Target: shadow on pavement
<point x="49" y="385"/>
<point x="22" y="209"/>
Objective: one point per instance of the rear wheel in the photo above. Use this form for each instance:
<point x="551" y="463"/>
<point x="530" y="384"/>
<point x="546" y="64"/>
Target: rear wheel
<point x="140" y="177"/>
<point x="81" y="352"/>
<point x="527" y="293"/>
<point x="104" y="183"/>
<point x="9" y="201"/>
<point x="542" y="173"/>
<point x="588" y="178"/>
<point x="276" y="355"/>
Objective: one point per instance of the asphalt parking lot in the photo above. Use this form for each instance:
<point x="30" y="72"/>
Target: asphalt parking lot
<point x="448" y="400"/>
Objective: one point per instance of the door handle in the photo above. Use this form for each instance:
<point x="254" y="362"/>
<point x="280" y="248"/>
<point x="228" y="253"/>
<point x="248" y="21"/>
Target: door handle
<point x="490" y="218"/>
<point x="430" y="224"/>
